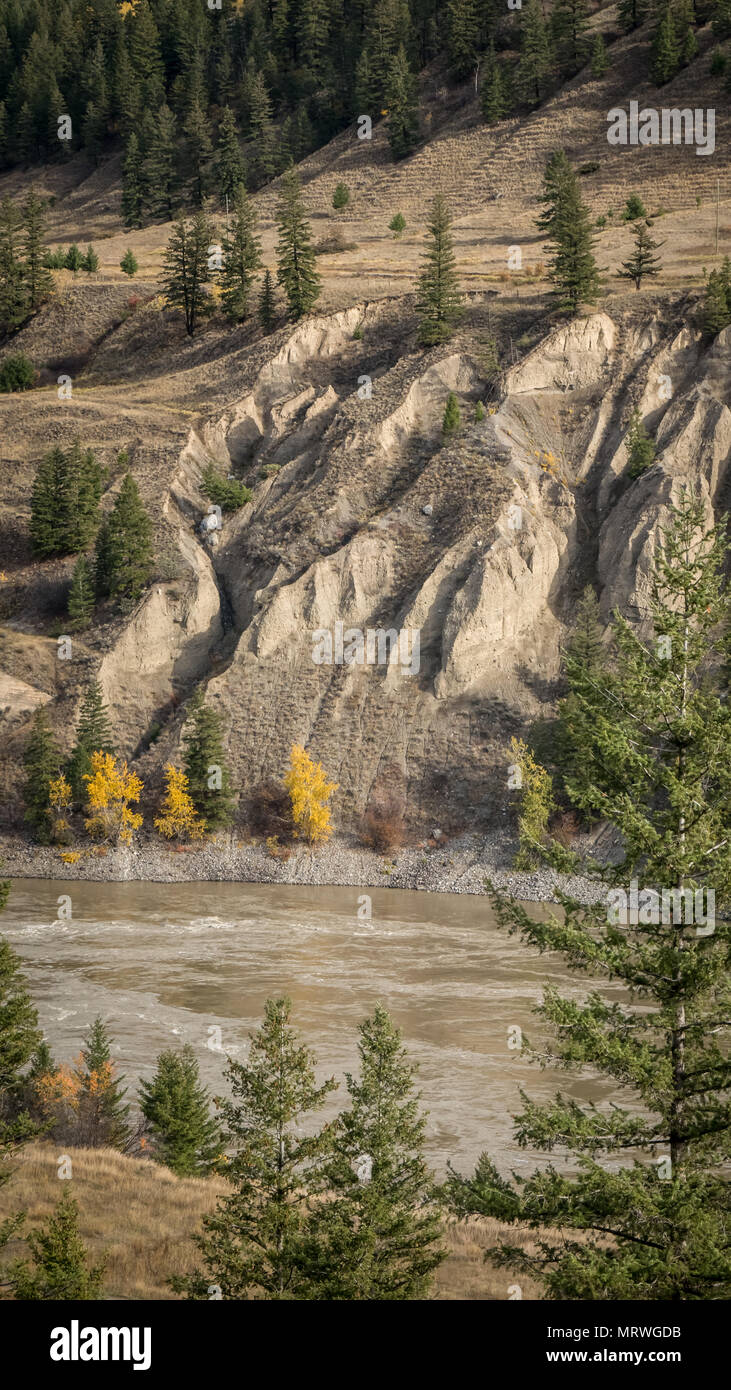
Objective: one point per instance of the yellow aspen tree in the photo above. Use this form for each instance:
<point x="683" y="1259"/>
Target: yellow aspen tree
<point x="59" y="801"/>
<point x="110" y="788"/>
<point x="309" y="793"/>
<point x="536" y="804"/>
<point x="178" y="817"/>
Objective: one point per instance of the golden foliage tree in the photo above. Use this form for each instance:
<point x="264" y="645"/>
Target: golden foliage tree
<point x="309" y="793"/>
<point x="536" y="804"/>
<point x="59" y="802"/>
<point x="178" y="817"/>
<point x="110" y="789"/>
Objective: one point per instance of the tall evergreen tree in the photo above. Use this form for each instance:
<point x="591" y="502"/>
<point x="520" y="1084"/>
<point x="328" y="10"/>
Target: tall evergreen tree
<point x="266" y="307"/>
<point x="13" y="287"/>
<point x="186" y="270"/>
<point x="665" y="49"/>
<point x="229" y="163"/>
<point x="93" y="735"/>
<point x="255" y="1242"/>
<point x="42" y="762"/>
<point x="296" y="271"/>
<point x="100" y="1106"/>
<point x="199" y="153"/>
<point x="60" y="1267"/>
<point x="159" y="166"/>
<point x="632" y="13"/>
<point x="176" y="1108"/>
<point x="464" y="36"/>
<point x="536" y="59"/>
<point x="569" y="22"/>
<point x="644" y="1215"/>
<point x="716" y="305"/>
<point x="133" y="183"/>
<point x="643" y="262"/>
<point x="376" y="1235"/>
<point x="403" y="106"/>
<point x="439" y="302"/>
<point x="241" y="258"/>
<point x="65" y="501"/>
<point x="205" y="764"/>
<point x="125" y="547"/>
<point x="573" y="269"/>
<point x="493" y="101"/>
<point x="80" y="602"/>
<point x="19" y="1038"/>
<point x="38" y="279"/>
<point x="640" y="447"/>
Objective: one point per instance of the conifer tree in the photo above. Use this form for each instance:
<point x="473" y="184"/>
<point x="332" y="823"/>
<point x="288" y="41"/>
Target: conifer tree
<point x="255" y="1242"/>
<point x="464" y="36"/>
<point x="569" y="22"/>
<point x="573" y="269"/>
<point x="492" y="96"/>
<point x="209" y="780"/>
<point x="42" y="762"/>
<point x="80" y="602"/>
<point x="296" y="271"/>
<point x="186" y="270"/>
<point x="584" y="651"/>
<point x="716" y="305"/>
<point x="376" y="1236"/>
<point x="128" y="263"/>
<point x="557" y="176"/>
<point x="643" y="1216"/>
<point x="100" y="1107"/>
<point x="403" y="106"/>
<point x="632" y="13"/>
<point x="199" y="153"/>
<point x="13" y="288"/>
<point x="452" y="419"/>
<point x="643" y="262"/>
<point x="266" y="308"/>
<point x="125" y="547"/>
<point x="60" y="1267"/>
<point x="665" y="49"/>
<point x="38" y="279"/>
<point x="640" y="447"/>
<point x="65" y="501"/>
<point x="133" y="183"/>
<point x="19" y="1038"/>
<point x="599" y="59"/>
<point x="176" y="1108"/>
<point x="74" y="258"/>
<point x="93" y="735"/>
<point x="439" y="302"/>
<point x="159" y="166"/>
<point x="536" y="61"/>
<point x="229" y="163"/>
<point x="91" y="260"/>
<point x="241" y="258"/>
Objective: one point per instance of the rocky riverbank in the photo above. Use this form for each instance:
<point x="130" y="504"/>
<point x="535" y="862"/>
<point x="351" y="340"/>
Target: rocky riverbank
<point x="458" y="866"/>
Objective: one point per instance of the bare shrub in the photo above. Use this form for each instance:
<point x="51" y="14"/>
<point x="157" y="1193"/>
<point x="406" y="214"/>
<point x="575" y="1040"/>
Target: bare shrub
<point x="564" y="828"/>
<point x="383" y="824"/>
<point x="269" y="812"/>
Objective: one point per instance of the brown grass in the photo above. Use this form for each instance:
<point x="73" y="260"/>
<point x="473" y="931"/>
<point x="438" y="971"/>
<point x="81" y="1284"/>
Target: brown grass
<point x="142" y="1216"/>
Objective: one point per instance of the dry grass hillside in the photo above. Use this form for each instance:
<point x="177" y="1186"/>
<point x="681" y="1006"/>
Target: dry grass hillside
<point x="142" y="1216"/>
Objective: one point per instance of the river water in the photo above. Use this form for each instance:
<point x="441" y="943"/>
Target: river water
<point x="175" y="962"/>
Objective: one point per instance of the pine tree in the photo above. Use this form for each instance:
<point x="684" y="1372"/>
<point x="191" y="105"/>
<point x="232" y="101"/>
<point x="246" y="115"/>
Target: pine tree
<point x="584" y="652"/>
<point x="642" y="262"/>
<point x="13" y="287"/>
<point x="74" y="258"/>
<point x="133" y="183"/>
<point x="599" y="59"/>
<point x="93" y="735"/>
<point x="38" y="280"/>
<point x="159" y="166"/>
<point x="464" y="25"/>
<point x="128" y="263"/>
<point x="199" y="152"/>
<point x="716" y="305"/>
<point x="640" y="447"/>
<point x="439" y="302"/>
<point x="296" y="271"/>
<point x="492" y="97"/>
<point x="127" y="546"/>
<point x="569" y="22"/>
<point x="176" y="1108"/>
<point x="255" y="1242"/>
<point x="65" y="501"/>
<point x="402" y="99"/>
<point x="241" y="258"/>
<point x="186" y="270"/>
<point x="557" y="177"/>
<point x="536" y="62"/>
<point x="632" y="13"/>
<point x="100" y="1108"/>
<point x="209" y="781"/>
<point x="266" y="308"/>
<point x="665" y="50"/>
<point x="19" y="1037"/>
<point x="229" y="164"/>
<point x="91" y="260"/>
<point x="80" y="602"/>
<point x="376" y="1235"/>
<point x="42" y="762"/>
<point x="644" y="1214"/>
<point x="60" y="1266"/>
<point x="452" y="419"/>
<point x="341" y="196"/>
<point x="573" y="269"/>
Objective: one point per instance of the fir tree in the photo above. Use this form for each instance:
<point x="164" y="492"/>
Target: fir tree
<point x="492" y="97"/>
<point x="38" y="280"/>
<point x="241" y="258"/>
<point x="128" y="263"/>
<point x="452" y="418"/>
<point x="716" y="305"/>
<point x="640" y="447"/>
<point x="74" y="258"/>
<point x="159" y="166"/>
<point x="100" y="1107"/>
<point x="644" y="1215"/>
<point x="209" y="781"/>
<point x="572" y="267"/>
<point x="584" y="652"/>
<point x="199" y="153"/>
<point x="133" y="183"/>
<point x="91" y="260"/>
<point x="186" y="270"/>
<point x="599" y="59"/>
<point x="376" y="1236"/>
<point x="65" y="501"/>
<point x="569" y="22"/>
<point x="266" y="307"/>
<point x="463" y="36"/>
<point x="255" y="1242"/>
<point x="341" y="196"/>
<point x="296" y="271"/>
<point x="19" y="1037"/>
<point x="632" y="13"/>
<point x="665" y="50"/>
<point x="229" y="164"/>
<point x="403" y="106"/>
<point x="126" y="547"/>
<point x="93" y="735"/>
<point x="642" y="262"/>
<point x="535" y="66"/>
<point x="60" y="1266"/>
<point x="42" y="762"/>
<point x="13" y="287"/>
<point x="557" y="177"/>
<point x="439" y="302"/>
<point x="176" y="1108"/>
<point x="80" y="602"/>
